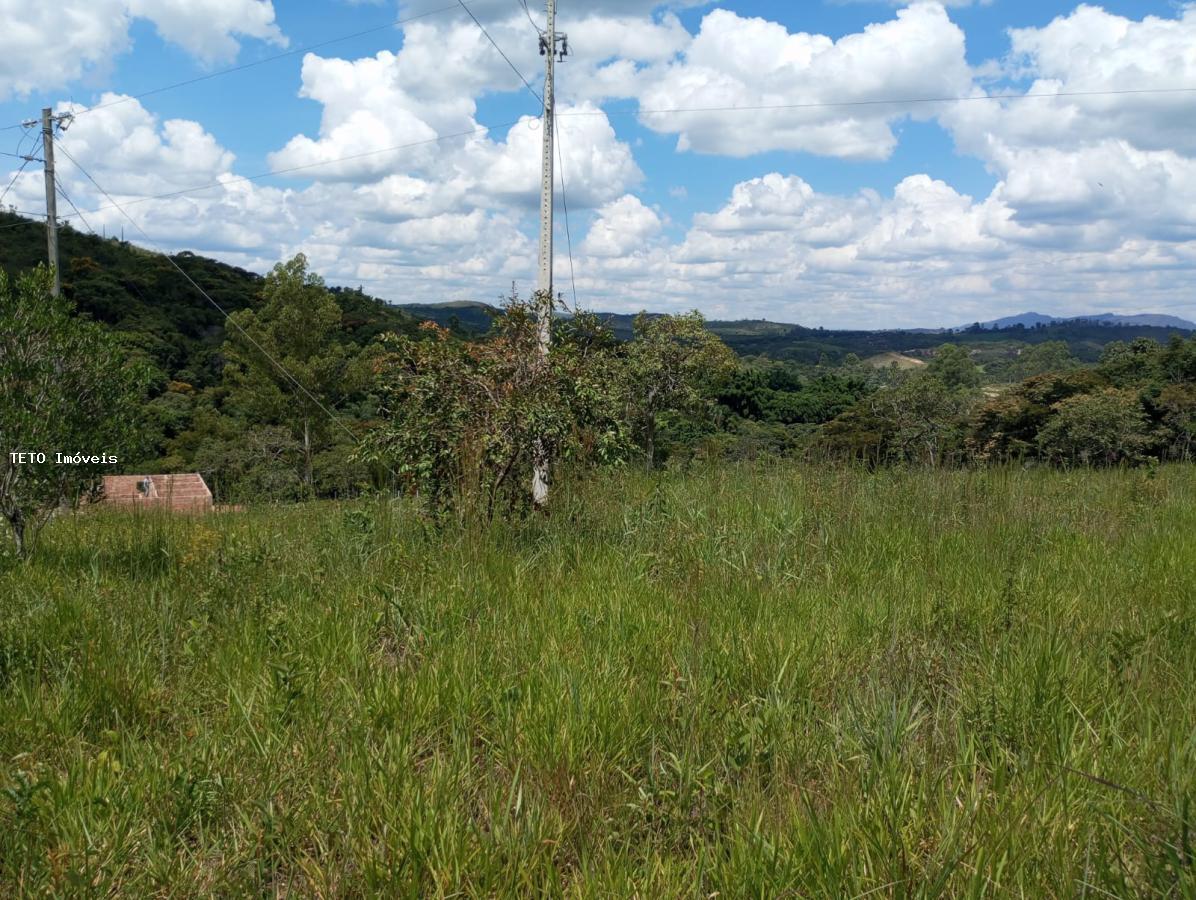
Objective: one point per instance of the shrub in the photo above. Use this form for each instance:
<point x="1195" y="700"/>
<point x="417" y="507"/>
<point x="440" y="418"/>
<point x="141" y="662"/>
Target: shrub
<point x="1104" y="428"/>
<point x="462" y="420"/>
<point x="65" y="386"/>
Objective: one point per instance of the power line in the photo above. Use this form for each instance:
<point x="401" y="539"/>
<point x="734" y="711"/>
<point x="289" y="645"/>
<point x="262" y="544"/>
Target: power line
<point x="62" y="192"/>
<point x="23" y="212"/>
<point x="30" y="132"/>
<point x="661" y="111"/>
<point x="14" y="179"/>
<point x="753" y="108"/>
<point x="206" y="296"/>
<point x="835" y="104"/>
<point x="565" y="205"/>
<point x="560" y="158"/>
<point x="526" y="83"/>
<point x="528" y="13"/>
<point x="17" y="225"/>
<point x="259" y="62"/>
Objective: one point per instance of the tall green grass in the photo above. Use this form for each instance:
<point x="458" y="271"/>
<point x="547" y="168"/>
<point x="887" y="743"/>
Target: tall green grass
<point x="749" y="682"/>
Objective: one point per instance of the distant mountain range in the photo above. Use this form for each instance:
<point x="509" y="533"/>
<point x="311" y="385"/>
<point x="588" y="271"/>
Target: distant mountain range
<point x="473" y="316"/>
<point x="1085" y="335"/>
<point x="1033" y="320"/>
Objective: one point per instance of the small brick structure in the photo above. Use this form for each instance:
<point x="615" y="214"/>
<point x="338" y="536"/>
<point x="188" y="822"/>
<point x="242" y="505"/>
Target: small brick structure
<point x="178" y="493"/>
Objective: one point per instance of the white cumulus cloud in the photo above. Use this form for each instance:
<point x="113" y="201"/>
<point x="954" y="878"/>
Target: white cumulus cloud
<point x="85" y="34"/>
<point x="1093" y="204"/>
<point x="735" y="61"/>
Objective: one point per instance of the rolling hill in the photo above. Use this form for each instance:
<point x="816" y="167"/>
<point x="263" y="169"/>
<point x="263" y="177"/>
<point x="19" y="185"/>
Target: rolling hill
<point x="1033" y="319"/>
<point x="778" y="340"/>
<point x="145" y="298"/>
<point x="140" y="293"/>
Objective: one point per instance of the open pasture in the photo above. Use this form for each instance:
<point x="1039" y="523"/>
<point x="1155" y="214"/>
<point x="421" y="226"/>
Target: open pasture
<point x="735" y="681"/>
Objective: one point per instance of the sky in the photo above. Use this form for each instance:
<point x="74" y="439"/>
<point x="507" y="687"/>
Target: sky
<point x="834" y="163"/>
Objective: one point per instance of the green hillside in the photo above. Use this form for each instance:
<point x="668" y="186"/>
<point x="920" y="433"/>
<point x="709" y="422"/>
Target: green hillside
<point x="228" y="413"/>
<point x="807" y="345"/>
<point x="143" y="296"/>
<point x="463" y="316"/>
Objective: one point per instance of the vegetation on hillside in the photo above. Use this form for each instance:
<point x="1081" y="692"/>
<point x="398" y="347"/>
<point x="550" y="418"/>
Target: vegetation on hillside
<point x="292" y="382"/>
<point x="802" y="346"/>
<point x="307" y="391"/>
<point x="145" y="299"/>
<point x="1138" y="403"/>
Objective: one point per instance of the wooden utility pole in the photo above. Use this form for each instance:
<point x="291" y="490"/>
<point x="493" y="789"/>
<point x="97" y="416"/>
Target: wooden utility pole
<point x="51" y="197"/>
<point x="548" y="49"/>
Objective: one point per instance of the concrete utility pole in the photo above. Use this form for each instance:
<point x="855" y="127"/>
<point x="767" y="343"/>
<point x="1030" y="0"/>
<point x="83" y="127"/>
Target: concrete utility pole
<point x="48" y="121"/>
<point x="51" y="196"/>
<point x="548" y="49"/>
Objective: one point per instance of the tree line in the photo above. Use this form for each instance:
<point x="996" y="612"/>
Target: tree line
<point x="311" y="395"/>
<point x="1136" y="404"/>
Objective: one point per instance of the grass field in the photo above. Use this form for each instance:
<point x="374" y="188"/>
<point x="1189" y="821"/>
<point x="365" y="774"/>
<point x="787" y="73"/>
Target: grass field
<point x="742" y="682"/>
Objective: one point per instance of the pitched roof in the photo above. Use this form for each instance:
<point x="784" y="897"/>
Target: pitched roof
<point x="177" y="492"/>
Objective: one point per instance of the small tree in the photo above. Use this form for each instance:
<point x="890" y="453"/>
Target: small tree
<point x="1176" y="404"/>
<point x="586" y="357"/>
<point x="1039" y="359"/>
<point x="256" y="464"/>
<point x="953" y="366"/>
<point x="1177" y="362"/>
<point x="1006" y="426"/>
<point x="1132" y="364"/>
<point x="461" y="419"/>
<point x="919" y="421"/>
<point x="65" y="387"/>
<point x="297" y="329"/>
<point x="673" y="365"/>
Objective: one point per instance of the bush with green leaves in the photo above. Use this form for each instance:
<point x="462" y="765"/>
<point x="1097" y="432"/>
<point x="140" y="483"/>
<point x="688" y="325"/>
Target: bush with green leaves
<point x="460" y="419"/>
<point x="257" y="465"/>
<point x="65" y="387"/>
<point x="1006" y="426"/>
<point x="776" y="395"/>
<point x="1039" y="359"/>
<point x="1175" y="405"/>
<point x="671" y="369"/>
<point x="919" y="421"/>
<point x="953" y="366"/>
<point x="1103" y="428"/>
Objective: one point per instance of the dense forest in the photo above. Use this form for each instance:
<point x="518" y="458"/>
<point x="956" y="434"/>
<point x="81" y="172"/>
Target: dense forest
<point x="278" y="400"/>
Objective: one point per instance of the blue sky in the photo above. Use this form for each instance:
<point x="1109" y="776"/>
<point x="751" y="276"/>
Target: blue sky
<point x="927" y="215"/>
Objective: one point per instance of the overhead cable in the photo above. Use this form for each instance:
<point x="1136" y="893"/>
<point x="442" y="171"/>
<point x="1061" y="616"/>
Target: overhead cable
<point x="281" y="368"/>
